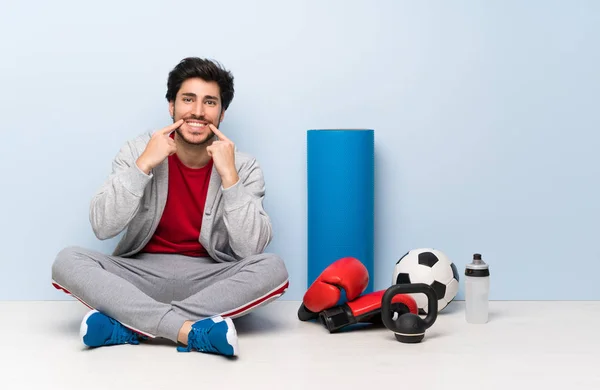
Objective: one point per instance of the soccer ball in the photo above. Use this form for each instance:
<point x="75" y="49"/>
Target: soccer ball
<point x="432" y="267"/>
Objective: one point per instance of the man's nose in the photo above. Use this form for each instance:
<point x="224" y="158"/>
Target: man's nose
<point x="198" y="109"/>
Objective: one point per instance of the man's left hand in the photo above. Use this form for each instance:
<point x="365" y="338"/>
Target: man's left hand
<point x="222" y="152"/>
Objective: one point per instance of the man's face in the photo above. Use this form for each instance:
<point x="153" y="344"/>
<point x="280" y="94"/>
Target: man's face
<point x="197" y="102"/>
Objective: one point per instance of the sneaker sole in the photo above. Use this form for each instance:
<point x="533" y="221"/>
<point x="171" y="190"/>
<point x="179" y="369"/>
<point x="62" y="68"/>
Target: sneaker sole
<point x="232" y="338"/>
<point x="83" y="328"/>
<point x="231" y="334"/>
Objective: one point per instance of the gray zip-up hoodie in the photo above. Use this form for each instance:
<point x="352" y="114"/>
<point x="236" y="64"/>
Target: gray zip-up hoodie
<point x="234" y="225"/>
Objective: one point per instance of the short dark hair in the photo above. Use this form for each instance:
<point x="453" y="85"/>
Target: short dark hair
<point x="207" y="70"/>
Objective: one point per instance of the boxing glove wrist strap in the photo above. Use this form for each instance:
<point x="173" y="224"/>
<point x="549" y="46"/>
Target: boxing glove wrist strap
<point x="337" y="317"/>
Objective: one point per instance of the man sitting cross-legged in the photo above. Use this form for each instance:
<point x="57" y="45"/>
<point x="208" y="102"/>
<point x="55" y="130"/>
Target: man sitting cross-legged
<point x="190" y="206"/>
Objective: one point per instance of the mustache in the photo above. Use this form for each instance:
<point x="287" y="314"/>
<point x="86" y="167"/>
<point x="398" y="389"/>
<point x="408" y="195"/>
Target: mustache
<point x="197" y="118"/>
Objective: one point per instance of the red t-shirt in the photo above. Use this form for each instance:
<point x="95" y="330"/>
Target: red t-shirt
<point x="179" y="228"/>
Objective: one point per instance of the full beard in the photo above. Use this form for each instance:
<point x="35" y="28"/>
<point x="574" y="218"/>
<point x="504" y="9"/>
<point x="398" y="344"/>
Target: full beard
<point x="197" y="143"/>
<point x="201" y="142"/>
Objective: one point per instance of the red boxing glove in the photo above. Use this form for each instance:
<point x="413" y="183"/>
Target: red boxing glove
<point x="346" y="275"/>
<point x="365" y="309"/>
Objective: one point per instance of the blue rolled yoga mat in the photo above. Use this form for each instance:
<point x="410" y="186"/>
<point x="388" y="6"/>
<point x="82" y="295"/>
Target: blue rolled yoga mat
<point x="340" y="175"/>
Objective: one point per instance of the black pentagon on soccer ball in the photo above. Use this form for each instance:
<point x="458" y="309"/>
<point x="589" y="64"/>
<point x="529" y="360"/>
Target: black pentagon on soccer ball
<point x="439" y="288"/>
<point x="403" y="279"/>
<point x="454" y="272"/>
<point x="428" y="259"/>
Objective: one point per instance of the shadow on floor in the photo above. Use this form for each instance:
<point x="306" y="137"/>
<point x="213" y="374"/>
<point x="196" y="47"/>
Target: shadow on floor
<point x="255" y="323"/>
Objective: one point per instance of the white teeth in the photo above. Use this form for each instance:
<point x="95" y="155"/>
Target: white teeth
<point x="196" y="124"/>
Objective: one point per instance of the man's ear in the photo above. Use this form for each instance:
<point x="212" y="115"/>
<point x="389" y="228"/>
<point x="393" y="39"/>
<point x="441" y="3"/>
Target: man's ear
<point x="222" y="116"/>
<point x="171" y="110"/>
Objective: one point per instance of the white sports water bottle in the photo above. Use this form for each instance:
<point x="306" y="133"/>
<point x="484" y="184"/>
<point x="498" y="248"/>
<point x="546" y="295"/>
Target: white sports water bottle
<point x="477" y="283"/>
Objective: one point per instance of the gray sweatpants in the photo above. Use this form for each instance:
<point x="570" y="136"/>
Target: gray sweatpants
<point x="155" y="294"/>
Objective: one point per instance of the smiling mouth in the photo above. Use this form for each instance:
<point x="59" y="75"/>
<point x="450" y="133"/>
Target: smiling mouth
<point x="196" y="125"/>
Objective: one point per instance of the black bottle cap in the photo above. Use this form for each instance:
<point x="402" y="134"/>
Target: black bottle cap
<point x="478" y="267"/>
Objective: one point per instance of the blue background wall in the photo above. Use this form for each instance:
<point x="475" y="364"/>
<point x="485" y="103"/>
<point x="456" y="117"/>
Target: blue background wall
<point x="485" y="113"/>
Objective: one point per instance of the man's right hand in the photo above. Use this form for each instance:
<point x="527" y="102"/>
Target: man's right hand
<point x="161" y="146"/>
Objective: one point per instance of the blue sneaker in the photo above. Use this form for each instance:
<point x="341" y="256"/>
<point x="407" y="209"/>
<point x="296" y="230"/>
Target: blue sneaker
<point x="98" y="329"/>
<point x="212" y="335"/>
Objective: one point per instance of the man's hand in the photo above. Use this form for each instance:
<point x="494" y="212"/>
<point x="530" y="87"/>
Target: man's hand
<point x="161" y="146"/>
<point x="222" y="152"/>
